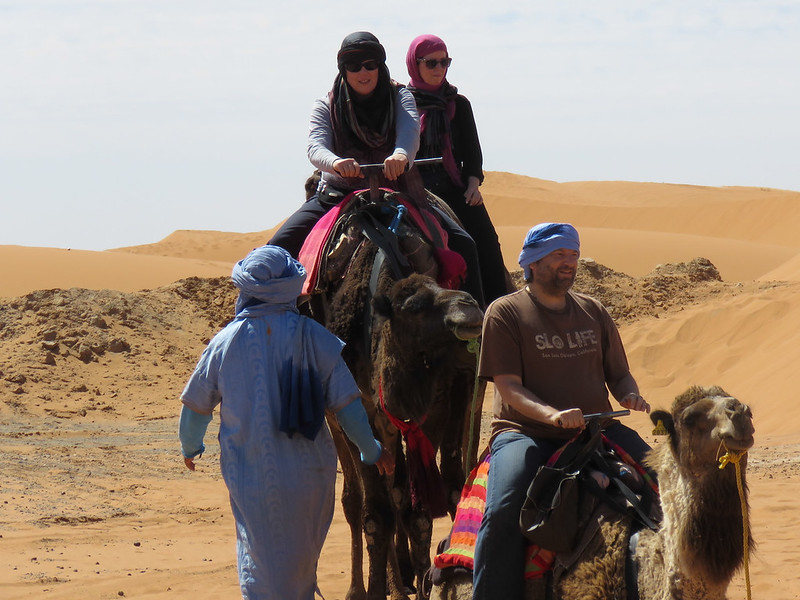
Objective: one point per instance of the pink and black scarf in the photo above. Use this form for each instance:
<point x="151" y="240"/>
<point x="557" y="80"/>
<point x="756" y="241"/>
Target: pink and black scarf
<point x="436" y="105"/>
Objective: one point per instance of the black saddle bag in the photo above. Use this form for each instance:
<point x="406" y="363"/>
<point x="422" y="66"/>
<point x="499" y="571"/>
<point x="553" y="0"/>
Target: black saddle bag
<point x="551" y="514"/>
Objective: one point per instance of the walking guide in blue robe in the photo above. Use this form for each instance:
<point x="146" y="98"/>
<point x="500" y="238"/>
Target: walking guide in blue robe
<point x="273" y="373"/>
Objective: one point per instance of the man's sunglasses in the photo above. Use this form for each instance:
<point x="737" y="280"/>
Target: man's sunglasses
<point x="369" y="65"/>
<point x="432" y="62"/>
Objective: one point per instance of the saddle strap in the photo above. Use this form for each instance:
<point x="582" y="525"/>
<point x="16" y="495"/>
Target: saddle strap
<point x="576" y="453"/>
<point x="380" y="258"/>
<point x="386" y="241"/>
<point x="635" y="502"/>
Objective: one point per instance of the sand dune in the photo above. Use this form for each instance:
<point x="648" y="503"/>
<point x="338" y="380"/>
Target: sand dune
<point x="743" y="342"/>
<point x="97" y="504"/>
<point x="745" y="232"/>
<point x="203" y="245"/>
<point x="748" y="233"/>
<point x="24" y="269"/>
<point x="788" y="270"/>
<point x="637" y="252"/>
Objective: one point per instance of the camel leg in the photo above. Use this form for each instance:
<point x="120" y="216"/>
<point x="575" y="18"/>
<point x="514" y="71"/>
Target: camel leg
<point x="415" y="522"/>
<point x="399" y="492"/>
<point x="352" y="493"/>
<point x="403" y="554"/>
<point x="453" y="446"/>
<point x="401" y="571"/>
<point x="397" y="586"/>
<point x="419" y="527"/>
<point x="414" y="532"/>
<point x="379" y="528"/>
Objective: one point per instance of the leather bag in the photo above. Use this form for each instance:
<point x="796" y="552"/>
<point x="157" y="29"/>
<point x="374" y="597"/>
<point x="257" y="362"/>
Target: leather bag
<point x="551" y="514"/>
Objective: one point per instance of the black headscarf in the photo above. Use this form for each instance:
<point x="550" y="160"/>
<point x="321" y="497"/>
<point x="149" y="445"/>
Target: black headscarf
<point x="363" y="127"/>
<point x="358" y="47"/>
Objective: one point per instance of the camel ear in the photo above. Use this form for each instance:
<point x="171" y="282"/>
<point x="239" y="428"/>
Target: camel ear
<point x="665" y="419"/>
<point x="415" y="304"/>
<point x="382" y="306"/>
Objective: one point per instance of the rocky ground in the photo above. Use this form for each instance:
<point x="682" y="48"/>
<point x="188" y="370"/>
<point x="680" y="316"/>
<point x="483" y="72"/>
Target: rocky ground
<point x="94" y="500"/>
<point x="72" y="353"/>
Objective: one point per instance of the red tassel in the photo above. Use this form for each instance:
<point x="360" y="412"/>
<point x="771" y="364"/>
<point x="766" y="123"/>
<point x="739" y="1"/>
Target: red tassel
<point x="424" y="479"/>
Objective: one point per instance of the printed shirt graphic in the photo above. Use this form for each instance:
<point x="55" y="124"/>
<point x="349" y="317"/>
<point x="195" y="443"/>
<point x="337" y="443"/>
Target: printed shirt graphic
<point x="564" y="357"/>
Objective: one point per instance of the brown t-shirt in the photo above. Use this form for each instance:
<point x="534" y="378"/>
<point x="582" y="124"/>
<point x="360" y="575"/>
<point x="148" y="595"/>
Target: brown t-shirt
<point x="564" y="357"/>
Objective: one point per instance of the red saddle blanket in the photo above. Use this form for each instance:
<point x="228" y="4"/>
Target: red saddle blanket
<point x="452" y="267"/>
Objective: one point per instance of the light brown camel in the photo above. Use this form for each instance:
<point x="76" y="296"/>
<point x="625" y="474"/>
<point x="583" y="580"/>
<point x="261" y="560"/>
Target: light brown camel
<point x="700" y="542"/>
<point x="406" y="341"/>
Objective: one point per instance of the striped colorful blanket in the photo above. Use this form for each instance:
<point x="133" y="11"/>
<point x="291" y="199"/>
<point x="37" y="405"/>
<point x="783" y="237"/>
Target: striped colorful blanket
<point x="469" y="512"/>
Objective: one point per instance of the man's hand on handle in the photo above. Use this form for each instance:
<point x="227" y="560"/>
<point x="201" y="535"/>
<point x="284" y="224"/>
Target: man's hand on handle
<point x="569" y="419"/>
<point x="634" y="401"/>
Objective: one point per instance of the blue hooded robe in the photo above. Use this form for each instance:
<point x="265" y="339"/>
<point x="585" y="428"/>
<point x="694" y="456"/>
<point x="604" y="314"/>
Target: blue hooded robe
<point x="273" y="373"/>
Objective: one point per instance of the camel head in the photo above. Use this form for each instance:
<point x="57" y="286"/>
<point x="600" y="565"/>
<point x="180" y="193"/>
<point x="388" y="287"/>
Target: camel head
<point x="429" y="310"/>
<point x="705" y="423"/>
<point x="424" y="330"/>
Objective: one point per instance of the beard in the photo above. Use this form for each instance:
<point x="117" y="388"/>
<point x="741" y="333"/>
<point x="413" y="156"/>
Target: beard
<point x="556" y="282"/>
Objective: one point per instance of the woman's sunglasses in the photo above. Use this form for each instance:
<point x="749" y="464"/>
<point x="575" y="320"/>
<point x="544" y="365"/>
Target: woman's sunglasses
<point x="432" y="62"/>
<point x="369" y="65"/>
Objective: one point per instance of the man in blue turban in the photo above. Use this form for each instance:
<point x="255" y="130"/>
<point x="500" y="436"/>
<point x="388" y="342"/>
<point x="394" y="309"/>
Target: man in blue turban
<point x="553" y="355"/>
<point x="544" y="239"/>
<point x="273" y="373"/>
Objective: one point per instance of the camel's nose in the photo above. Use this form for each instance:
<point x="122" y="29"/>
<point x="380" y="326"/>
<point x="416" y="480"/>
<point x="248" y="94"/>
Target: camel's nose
<point x="743" y="420"/>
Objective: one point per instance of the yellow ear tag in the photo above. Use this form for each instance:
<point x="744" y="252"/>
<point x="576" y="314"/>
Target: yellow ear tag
<point x="660" y="429"/>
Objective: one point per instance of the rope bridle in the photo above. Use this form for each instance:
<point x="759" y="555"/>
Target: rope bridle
<point x="474" y="347"/>
<point x="735" y="459"/>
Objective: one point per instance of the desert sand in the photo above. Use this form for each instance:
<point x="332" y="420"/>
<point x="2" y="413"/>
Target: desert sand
<point x="95" y="347"/>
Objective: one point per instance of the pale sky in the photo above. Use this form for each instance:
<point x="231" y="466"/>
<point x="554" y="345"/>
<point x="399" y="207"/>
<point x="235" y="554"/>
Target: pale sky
<point x="122" y="121"/>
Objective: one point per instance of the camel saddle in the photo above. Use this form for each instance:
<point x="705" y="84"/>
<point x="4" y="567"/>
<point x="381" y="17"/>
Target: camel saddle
<point x="632" y="493"/>
<point x="329" y="246"/>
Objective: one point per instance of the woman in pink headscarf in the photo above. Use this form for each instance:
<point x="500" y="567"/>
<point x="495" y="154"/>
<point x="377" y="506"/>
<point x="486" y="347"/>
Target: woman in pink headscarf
<point x="448" y="130"/>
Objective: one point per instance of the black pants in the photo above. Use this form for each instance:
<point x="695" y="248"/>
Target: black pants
<point x="291" y="235"/>
<point x="479" y="226"/>
<point x="293" y="232"/>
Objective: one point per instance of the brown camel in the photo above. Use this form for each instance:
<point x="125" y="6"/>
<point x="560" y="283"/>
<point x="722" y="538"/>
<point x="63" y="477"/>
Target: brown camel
<point x="700" y="542"/>
<point x="407" y="346"/>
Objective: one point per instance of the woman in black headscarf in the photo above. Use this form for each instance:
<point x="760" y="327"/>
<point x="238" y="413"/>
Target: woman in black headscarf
<point x="365" y="118"/>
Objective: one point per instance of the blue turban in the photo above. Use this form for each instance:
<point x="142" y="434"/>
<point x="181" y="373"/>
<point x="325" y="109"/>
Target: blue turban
<point x="269" y="279"/>
<point x="544" y="239"/>
<point x="268" y="274"/>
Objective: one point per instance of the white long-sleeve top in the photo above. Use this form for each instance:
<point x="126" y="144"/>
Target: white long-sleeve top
<point x="320" y="136"/>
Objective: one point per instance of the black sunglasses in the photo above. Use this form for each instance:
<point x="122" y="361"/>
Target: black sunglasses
<point x="432" y="62"/>
<point x="369" y="65"/>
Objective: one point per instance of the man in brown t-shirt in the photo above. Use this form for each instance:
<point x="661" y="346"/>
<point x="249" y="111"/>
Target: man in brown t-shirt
<point x="553" y="355"/>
